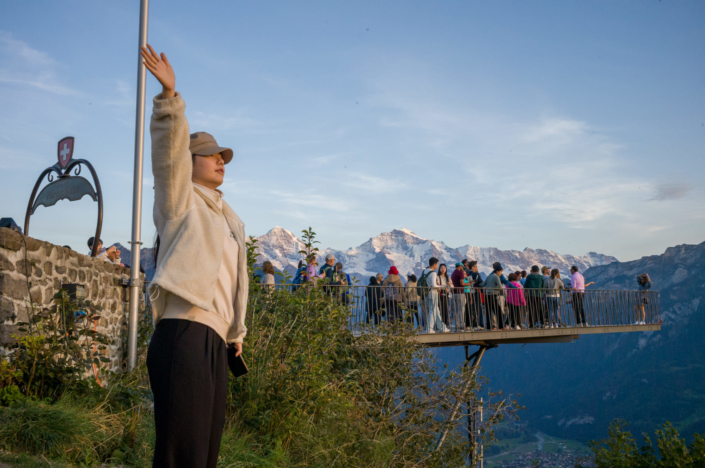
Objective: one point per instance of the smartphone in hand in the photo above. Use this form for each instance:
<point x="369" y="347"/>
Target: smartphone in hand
<point x="236" y="363"/>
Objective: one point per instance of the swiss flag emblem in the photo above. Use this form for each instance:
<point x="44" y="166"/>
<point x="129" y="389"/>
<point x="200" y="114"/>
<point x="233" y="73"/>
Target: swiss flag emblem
<point x="65" y="151"/>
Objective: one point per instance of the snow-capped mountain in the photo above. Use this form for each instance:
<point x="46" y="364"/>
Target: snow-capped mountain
<point x="410" y="253"/>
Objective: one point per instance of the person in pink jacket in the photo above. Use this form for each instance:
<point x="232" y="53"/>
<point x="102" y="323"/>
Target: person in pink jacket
<point x="516" y="301"/>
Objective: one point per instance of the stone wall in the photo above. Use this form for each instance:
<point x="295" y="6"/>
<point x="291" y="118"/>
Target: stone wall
<point x="47" y="266"/>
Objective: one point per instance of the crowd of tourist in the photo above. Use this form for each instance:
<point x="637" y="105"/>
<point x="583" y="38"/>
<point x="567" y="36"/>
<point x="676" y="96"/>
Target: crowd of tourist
<point x="441" y="301"/>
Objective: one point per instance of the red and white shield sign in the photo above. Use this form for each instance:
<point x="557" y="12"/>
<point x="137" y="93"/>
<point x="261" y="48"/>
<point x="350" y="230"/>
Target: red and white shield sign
<point x="65" y="151"/>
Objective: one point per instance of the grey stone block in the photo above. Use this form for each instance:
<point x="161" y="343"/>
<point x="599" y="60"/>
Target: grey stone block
<point x="10" y="240"/>
<point x="6" y="332"/>
<point x="6" y="264"/>
<point x="14" y="288"/>
<point x="7" y="309"/>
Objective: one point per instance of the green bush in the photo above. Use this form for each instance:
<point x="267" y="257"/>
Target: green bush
<point x="55" y="352"/>
<point x="619" y="449"/>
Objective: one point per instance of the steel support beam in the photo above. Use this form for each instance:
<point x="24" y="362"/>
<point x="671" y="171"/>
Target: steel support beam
<point x="477" y="356"/>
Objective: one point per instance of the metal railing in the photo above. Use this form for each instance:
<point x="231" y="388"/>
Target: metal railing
<point x="436" y="310"/>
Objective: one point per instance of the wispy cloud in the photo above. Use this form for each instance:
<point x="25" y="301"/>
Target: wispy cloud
<point x="549" y="165"/>
<point x="235" y="119"/>
<point x="26" y="66"/>
<point x="312" y="199"/>
<point x="124" y="95"/>
<point x="366" y="183"/>
<point x="671" y="191"/>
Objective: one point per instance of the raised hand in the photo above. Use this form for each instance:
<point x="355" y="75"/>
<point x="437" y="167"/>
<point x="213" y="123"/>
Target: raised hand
<point x="161" y="69"/>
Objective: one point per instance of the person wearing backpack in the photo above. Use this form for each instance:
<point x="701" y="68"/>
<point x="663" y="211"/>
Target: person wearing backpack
<point x="327" y="271"/>
<point x="428" y="290"/>
<point x="393" y="289"/>
<point x="300" y="277"/>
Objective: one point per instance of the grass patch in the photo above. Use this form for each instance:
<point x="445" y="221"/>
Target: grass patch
<point x="23" y="460"/>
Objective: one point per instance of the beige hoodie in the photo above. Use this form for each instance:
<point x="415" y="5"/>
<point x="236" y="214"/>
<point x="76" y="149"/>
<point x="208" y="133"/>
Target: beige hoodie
<point x="191" y="227"/>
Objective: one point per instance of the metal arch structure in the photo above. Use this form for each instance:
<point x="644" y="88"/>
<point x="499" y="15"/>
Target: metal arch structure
<point x="66" y="186"/>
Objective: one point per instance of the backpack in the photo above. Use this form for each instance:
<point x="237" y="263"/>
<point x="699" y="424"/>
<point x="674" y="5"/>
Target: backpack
<point x="300" y="278"/>
<point x="344" y="286"/>
<point x="347" y="290"/>
<point x="324" y="272"/>
<point x="422" y="285"/>
<point x="390" y="292"/>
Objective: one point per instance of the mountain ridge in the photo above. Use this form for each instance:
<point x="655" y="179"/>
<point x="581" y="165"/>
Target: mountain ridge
<point x="410" y="253"/>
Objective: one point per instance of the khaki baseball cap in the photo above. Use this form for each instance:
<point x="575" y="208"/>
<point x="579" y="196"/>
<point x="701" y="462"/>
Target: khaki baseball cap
<point x="203" y="144"/>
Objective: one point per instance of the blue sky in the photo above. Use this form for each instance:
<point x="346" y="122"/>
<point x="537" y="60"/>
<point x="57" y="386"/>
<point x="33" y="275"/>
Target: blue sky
<point x="570" y="126"/>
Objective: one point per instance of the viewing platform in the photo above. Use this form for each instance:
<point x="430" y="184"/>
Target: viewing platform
<point x="544" y="319"/>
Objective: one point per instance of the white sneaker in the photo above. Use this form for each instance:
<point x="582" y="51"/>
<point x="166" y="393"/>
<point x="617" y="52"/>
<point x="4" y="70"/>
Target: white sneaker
<point x="431" y="331"/>
<point x="637" y="323"/>
<point x="445" y="330"/>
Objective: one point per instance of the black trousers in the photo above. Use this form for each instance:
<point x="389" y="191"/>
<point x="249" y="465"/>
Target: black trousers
<point x="188" y="372"/>
<point x="578" y="307"/>
<point x="443" y="305"/>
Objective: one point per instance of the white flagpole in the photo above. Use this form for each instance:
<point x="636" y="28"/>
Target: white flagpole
<point x="135" y="286"/>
